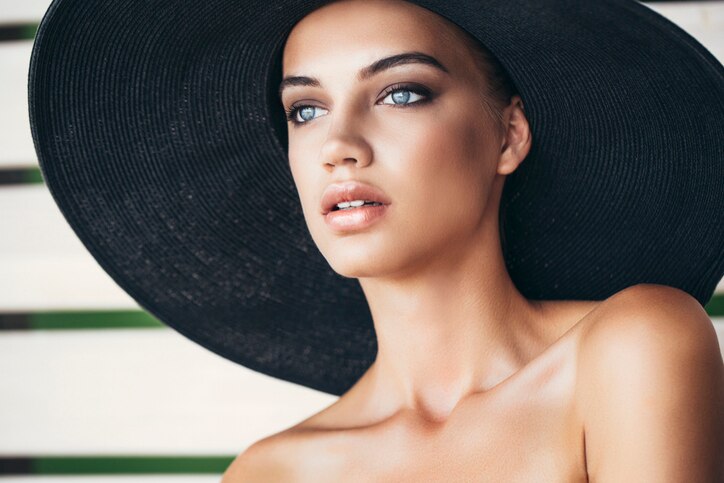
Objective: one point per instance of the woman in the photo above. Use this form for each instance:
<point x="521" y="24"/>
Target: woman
<point x="471" y="380"/>
<point x="391" y="104"/>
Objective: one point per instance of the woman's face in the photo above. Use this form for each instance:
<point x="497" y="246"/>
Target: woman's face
<point x="418" y="133"/>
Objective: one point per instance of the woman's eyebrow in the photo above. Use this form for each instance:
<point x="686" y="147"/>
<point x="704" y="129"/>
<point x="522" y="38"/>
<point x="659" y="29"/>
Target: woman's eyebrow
<point x="372" y="69"/>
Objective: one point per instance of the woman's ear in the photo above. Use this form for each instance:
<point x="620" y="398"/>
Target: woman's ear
<point x="516" y="140"/>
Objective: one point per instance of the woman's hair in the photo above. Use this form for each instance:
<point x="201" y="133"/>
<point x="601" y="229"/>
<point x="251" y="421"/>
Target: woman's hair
<point x="500" y="88"/>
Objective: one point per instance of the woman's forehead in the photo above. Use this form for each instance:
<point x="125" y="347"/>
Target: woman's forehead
<point x="362" y="31"/>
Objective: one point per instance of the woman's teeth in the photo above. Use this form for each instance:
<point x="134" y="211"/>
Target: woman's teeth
<point x="354" y="204"/>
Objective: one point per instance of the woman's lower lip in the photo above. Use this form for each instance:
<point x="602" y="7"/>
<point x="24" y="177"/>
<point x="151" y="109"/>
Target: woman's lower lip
<point x="355" y="218"/>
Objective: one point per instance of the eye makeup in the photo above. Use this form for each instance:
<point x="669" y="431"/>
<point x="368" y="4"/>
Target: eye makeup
<point x="291" y="113"/>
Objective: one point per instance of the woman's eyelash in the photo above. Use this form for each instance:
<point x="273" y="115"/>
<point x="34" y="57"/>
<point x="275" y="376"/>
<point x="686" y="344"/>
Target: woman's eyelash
<point x="291" y="113"/>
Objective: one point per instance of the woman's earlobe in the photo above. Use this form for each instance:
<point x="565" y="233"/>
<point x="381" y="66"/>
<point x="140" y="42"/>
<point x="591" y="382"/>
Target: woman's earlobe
<point x="506" y="166"/>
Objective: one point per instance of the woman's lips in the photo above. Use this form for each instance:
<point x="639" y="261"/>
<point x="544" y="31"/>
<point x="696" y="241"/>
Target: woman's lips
<point x="353" y="219"/>
<point x="350" y="191"/>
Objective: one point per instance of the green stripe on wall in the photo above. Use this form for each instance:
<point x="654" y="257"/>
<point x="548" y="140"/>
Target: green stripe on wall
<point x="715" y="307"/>
<point x="30" y="175"/>
<point x="117" y="319"/>
<point x="112" y="319"/>
<point x="107" y="465"/>
<point x="18" y="31"/>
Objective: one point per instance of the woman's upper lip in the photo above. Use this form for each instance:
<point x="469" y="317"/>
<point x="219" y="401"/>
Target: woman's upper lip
<point x="350" y="191"/>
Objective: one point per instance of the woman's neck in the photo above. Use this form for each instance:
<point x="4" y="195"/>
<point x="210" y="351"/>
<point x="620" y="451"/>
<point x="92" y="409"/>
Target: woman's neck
<point x="454" y="326"/>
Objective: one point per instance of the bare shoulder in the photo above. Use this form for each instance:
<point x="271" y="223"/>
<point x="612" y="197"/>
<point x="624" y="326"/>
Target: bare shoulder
<point x="294" y="455"/>
<point x="651" y="387"/>
<point x="648" y="317"/>
<point x="262" y="462"/>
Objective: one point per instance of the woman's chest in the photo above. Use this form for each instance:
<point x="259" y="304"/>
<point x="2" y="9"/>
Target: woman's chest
<point x="528" y="439"/>
<point x="528" y="428"/>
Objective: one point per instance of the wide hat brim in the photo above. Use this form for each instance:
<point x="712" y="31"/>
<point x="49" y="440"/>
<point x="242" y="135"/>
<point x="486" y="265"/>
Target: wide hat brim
<point x="161" y="138"/>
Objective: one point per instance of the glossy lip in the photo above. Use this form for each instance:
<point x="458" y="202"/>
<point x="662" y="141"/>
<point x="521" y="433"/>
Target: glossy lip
<point x="350" y="191"/>
<point x="354" y="219"/>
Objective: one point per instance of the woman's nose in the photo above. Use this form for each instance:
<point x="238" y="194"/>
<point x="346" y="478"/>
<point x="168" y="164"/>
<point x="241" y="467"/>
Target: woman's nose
<point x="345" y="142"/>
<point x="338" y="150"/>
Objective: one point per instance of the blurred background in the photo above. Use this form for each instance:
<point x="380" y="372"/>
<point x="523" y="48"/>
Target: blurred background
<point x="93" y="388"/>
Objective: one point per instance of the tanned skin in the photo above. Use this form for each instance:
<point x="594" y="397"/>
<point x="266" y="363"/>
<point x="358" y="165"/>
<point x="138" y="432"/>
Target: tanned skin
<point x="472" y="382"/>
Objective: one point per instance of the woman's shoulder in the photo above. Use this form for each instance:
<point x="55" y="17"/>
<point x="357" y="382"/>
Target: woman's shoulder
<point x="640" y="329"/>
<point x="641" y="316"/>
<point x="297" y="454"/>
<point x="253" y="464"/>
<point x="270" y="459"/>
<point x="650" y="386"/>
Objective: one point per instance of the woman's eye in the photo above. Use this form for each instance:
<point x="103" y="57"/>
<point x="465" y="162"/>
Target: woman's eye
<point x="400" y="95"/>
<point x="306" y="113"/>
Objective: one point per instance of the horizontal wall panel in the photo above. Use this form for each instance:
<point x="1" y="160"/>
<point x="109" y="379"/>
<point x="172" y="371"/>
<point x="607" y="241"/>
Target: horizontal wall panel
<point x="719" y="327"/>
<point x="703" y="20"/>
<point x="136" y="391"/>
<point x="16" y="141"/>
<point x="22" y="11"/>
<point x="44" y="266"/>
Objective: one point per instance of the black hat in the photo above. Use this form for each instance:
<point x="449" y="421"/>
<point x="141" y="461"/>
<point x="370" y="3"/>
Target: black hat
<point x="161" y="137"/>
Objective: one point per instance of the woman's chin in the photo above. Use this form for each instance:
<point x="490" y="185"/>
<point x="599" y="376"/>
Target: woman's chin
<point x="368" y="263"/>
<point x="357" y="266"/>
